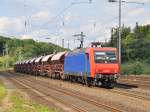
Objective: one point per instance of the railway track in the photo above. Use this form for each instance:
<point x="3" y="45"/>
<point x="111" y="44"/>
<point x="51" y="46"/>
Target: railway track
<point x="141" y="84"/>
<point x="122" y="92"/>
<point x="127" y="93"/>
<point x="45" y="94"/>
<point x="136" y="78"/>
<point x="131" y="94"/>
<point x="118" y="91"/>
<point x="83" y="98"/>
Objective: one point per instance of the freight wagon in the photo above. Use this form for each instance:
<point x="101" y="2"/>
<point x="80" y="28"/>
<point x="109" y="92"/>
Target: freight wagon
<point x="38" y="66"/>
<point x="45" y="68"/>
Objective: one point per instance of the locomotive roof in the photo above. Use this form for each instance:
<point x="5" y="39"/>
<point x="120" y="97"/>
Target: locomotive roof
<point x="58" y="56"/>
<point x="45" y="58"/>
<point x="105" y="48"/>
<point x="76" y="51"/>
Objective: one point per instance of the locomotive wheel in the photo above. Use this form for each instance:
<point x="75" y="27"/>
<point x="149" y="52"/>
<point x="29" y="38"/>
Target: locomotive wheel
<point x="71" y="79"/>
<point x="103" y="83"/>
<point x="110" y="85"/>
<point x="89" y="82"/>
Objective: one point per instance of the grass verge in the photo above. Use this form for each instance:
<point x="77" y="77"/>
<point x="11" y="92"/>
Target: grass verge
<point x="20" y="104"/>
<point x="2" y="91"/>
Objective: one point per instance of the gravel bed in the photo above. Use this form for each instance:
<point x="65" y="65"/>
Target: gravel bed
<point x="128" y="103"/>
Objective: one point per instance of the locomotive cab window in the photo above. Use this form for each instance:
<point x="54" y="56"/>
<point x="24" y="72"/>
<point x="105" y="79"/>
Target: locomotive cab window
<point x="105" y="57"/>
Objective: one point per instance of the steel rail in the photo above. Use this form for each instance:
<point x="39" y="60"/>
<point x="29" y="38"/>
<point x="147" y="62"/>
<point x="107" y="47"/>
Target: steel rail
<point x="127" y="94"/>
<point x="98" y="104"/>
<point x="56" y="98"/>
<point x="133" y="95"/>
<point x="135" y="83"/>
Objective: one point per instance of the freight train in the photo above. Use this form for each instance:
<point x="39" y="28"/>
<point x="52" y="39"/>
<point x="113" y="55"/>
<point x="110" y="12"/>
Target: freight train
<point x="92" y="66"/>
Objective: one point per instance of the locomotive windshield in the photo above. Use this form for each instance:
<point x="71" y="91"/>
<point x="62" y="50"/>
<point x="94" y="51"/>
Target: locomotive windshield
<point x="105" y="57"/>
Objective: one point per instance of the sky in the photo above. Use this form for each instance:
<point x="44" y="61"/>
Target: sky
<point x="61" y="19"/>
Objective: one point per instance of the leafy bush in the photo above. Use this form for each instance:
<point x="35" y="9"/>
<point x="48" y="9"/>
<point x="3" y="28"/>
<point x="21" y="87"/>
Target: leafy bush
<point x="135" y="68"/>
<point x="148" y="60"/>
<point x="27" y="48"/>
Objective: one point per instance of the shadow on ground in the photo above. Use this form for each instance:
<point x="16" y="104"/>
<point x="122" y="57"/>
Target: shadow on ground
<point x="125" y="86"/>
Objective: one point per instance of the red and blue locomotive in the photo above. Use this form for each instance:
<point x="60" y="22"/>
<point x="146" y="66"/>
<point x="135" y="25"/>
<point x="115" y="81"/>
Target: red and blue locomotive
<point x="93" y="66"/>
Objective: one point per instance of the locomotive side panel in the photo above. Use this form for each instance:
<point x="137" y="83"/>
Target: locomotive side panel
<point x="77" y="64"/>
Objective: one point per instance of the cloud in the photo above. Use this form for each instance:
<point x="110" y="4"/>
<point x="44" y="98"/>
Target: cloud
<point x="26" y="37"/>
<point x="69" y="18"/>
<point x="41" y="16"/>
<point x="35" y="2"/>
<point x="147" y="22"/>
<point x="8" y="25"/>
<point x="95" y="20"/>
<point x="4" y="24"/>
<point x="139" y="1"/>
<point x="43" y="2"/>
<point x="93" y="33"/>
<point x="136" y="12"/>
